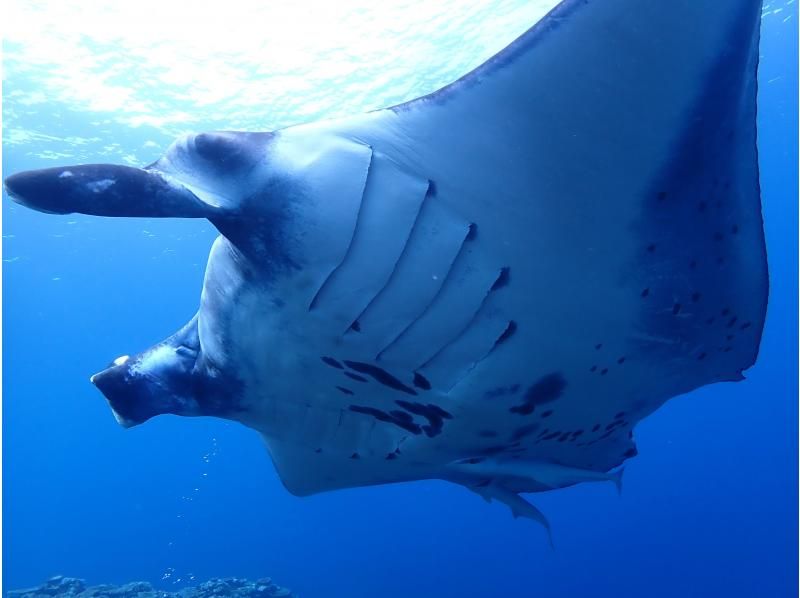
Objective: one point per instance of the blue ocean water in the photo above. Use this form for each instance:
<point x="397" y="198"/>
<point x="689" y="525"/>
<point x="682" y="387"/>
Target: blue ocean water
<point x="710" y="503"/>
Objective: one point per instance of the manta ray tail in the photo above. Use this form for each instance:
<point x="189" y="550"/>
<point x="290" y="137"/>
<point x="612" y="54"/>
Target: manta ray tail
<point x="616" y="477"/>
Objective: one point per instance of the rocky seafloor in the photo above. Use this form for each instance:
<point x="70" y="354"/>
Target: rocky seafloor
<point x="213" y="588"/>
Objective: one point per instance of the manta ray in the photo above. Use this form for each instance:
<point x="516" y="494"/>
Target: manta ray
<point x="491" y="284"/>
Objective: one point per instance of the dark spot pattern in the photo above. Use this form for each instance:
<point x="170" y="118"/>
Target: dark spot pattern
<point x="547" y="389"/>
<point x="332" y="362"/>
<point x="421" y="381"/>
<point x="346" y="391"/>
<point x="547" y="413"/>
<point x="379" y="375"/>
<point x="355" y="326"/>
<point x="433" y="413"/>
<point x="405" y="422"/>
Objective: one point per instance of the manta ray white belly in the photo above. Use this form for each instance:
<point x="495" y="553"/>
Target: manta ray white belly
<point x="489" y="285"/>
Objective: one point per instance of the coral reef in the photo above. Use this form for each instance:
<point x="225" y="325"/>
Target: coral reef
<point x="71" y="587"/>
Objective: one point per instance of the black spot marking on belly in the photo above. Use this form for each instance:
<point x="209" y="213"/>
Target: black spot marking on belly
<point x="434" y="414"/>
<point x="547" y="413"/>
<point x="403" y="422"/>
<point x="346" y="391"/>
<point x="355" y="456"/>
<point x="421" y="381"/>
<point x="596" y="428"/>
<point x="391" y="456"/>
<point x="379" y="375"/>
<point x="547" y="389"/>
<point x="332" y="362"/>
<point x="631" y="452"/>
<point x="355" y="377"/>
<point x="401" y="416"/>
<point x="355" y="326"/>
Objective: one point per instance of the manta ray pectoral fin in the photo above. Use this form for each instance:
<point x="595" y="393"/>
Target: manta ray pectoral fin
<point x="518" y="505"/>
<point x="106" y="190"/>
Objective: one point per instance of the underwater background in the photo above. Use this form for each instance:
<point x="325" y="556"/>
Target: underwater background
<point x="709" y="506"/>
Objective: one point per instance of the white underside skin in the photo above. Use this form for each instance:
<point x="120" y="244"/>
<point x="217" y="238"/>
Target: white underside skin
<point x="522" y="200"/>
